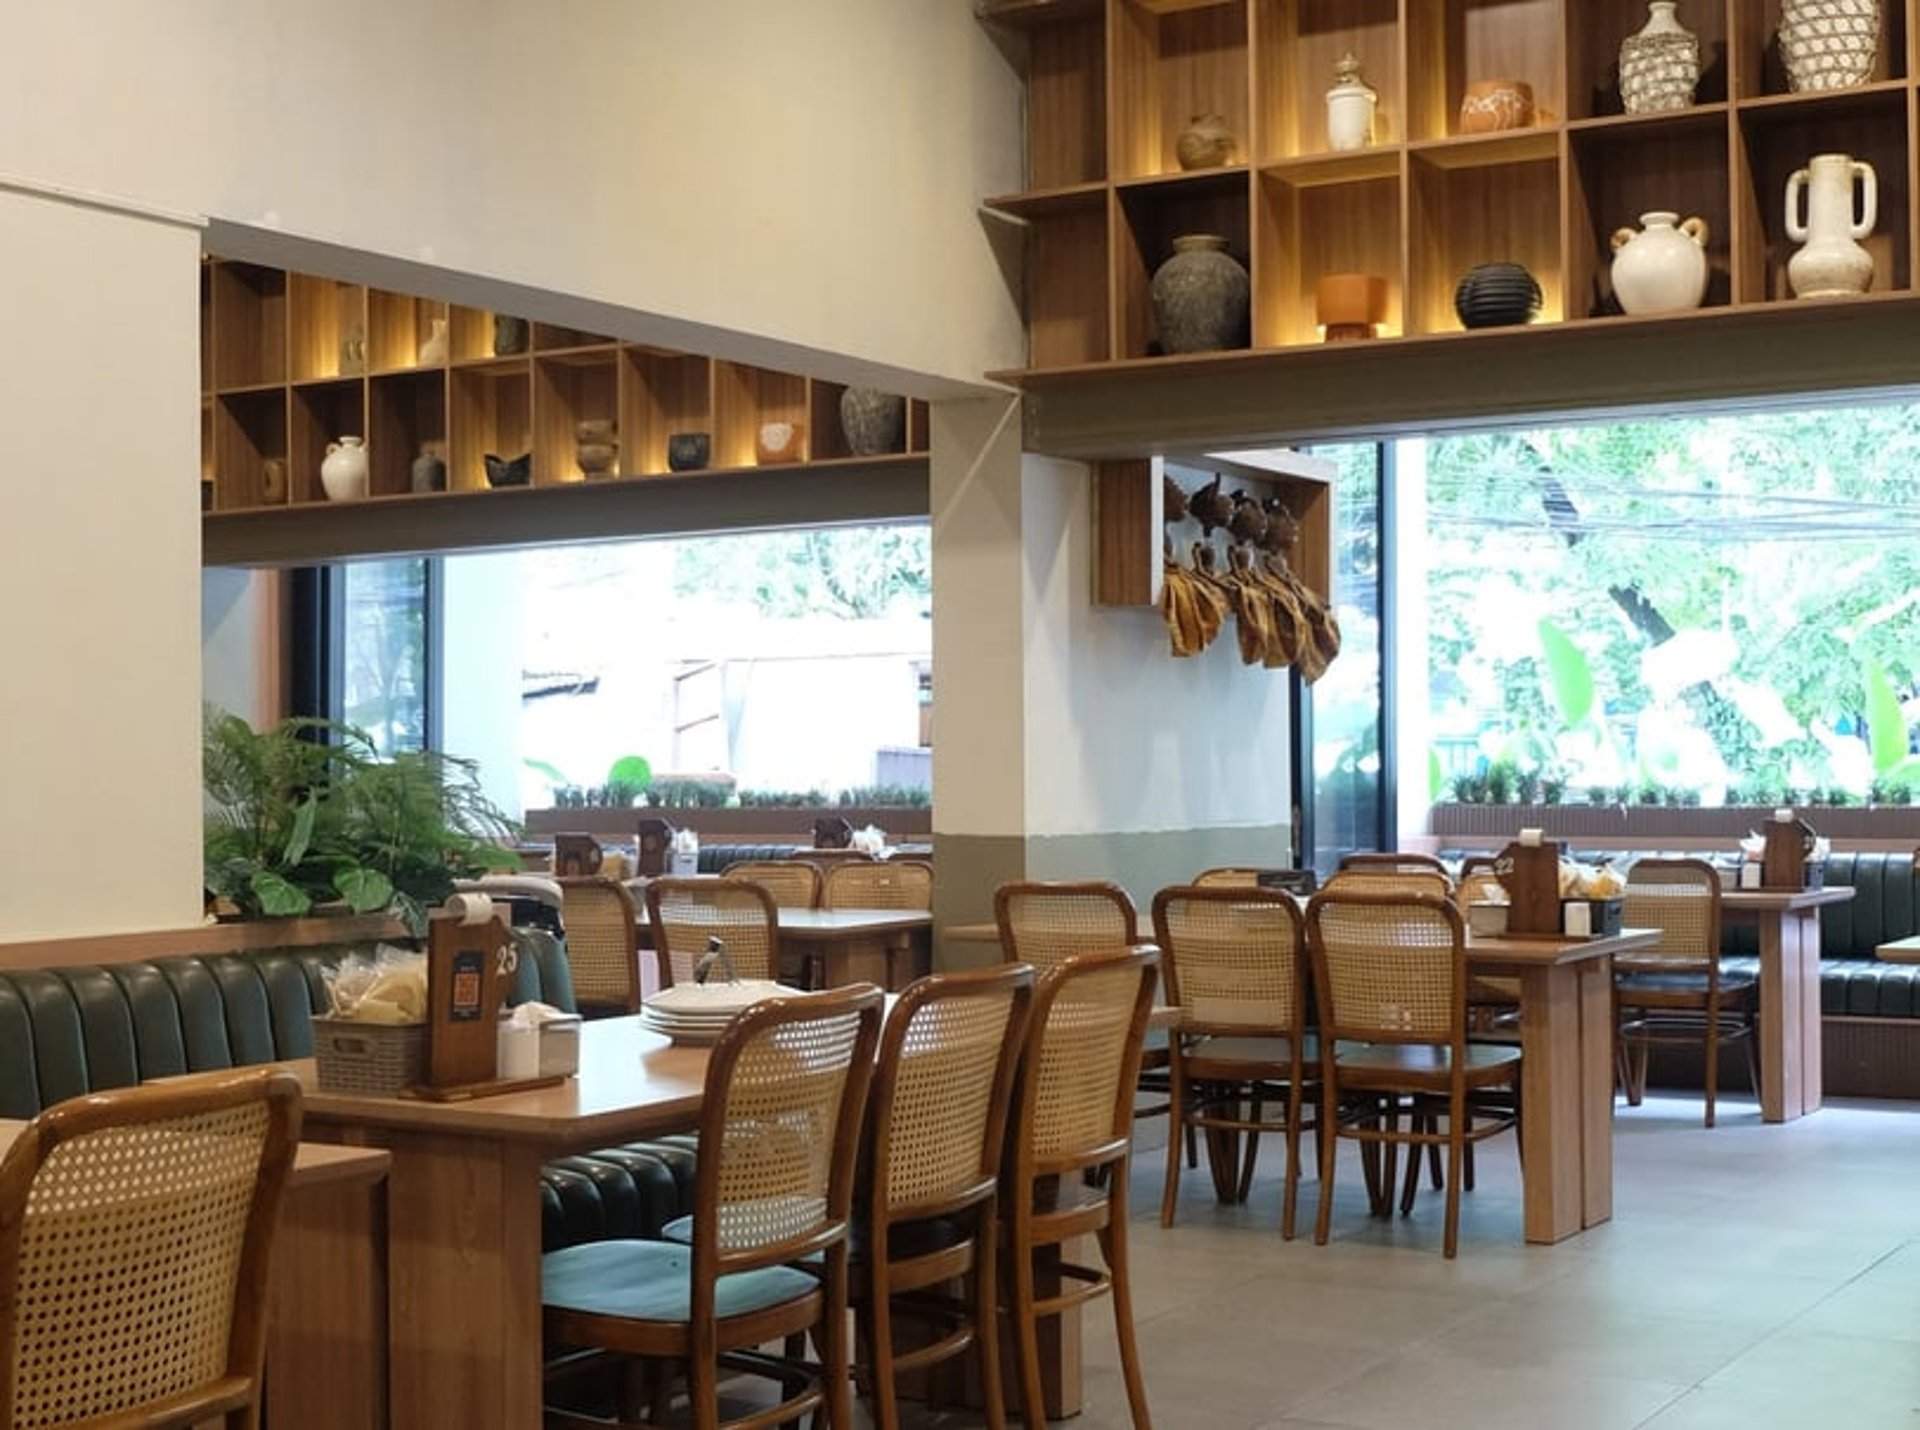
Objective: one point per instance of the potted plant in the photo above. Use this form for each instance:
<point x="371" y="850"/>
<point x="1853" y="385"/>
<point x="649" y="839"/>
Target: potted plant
<point x="307" y="814"/>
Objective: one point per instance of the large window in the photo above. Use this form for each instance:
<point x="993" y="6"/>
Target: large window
<point x="781" y="667"/>
<point x="1690" y="610"/>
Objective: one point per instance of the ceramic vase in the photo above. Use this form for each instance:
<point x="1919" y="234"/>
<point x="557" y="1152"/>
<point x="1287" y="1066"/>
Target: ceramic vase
<point x="1659" y="66"/>
<point x="509" y="335"/>
<point x="429" y="472"/>
<point x="508" y="471"/>
<point x="1661" y="267"/>
<point x="273" y="481"/>
<point x="433" y="351"/>
<point x="1350" y="107"/>
<point x="1491" y="105"/>
<point x="779" y="442"/>
<point x="343" y="473"/>
<point x="1205" y="143"/>
<point x="688" y="451"/>
<point x="1200" y="297"/>
<point x="1497" y="295"/>
<point x="1831" y="263"/>
<point x="1829" y="44"/>
<point x="873" y="422"/>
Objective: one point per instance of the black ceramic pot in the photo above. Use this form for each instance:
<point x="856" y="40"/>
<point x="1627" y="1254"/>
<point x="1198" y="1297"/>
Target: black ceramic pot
<point x="504" y="473"/>
<point x="1497" y="295"/>
<point x="688" y="451"/>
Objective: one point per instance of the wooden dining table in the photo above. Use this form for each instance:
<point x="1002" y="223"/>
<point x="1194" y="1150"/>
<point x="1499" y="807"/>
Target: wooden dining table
<point x="463" y="1213"/>
<point x="1788" y="921"/>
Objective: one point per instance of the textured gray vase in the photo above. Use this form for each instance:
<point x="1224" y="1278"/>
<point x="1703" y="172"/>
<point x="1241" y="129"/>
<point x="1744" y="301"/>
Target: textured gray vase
<point x="1200" y="297"/>
<point x="429" y="473"/>
<point x="873" y="422"/>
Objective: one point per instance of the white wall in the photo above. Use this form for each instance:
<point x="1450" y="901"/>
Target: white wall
<point x="807" y="173"/>
<point x="1120" y="736"/>
<point x="99" y="570"/>
<point x="235" y="607"/>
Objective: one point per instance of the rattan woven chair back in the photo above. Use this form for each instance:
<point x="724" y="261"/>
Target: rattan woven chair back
<point x="1404" y="882"/>
<point x="1047" y="923"/>
<point x="1066" y="1174"/>
<point x="1389" y="967"/>
<point x="135" y="1226"/>
<point x="1231" y="876"/>
<point x="894" y="884"/>
<point x="1392" y="862"/>
<point x="603" y="944"/>
<point x="936" y="1132"/>
<point x="1681" y="898"/>
<point x="686" y="914"/>
<point x="1233" y="959"/>
<point x="792" y="883"/>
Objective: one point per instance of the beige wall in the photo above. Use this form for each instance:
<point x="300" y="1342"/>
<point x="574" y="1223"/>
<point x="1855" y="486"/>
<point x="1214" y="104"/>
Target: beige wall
<point x="807" y="173"/>
<point x="99" y="571"/>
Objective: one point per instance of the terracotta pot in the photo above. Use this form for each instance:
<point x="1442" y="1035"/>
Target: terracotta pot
<point x="1495" y="104"/>
<point x="1205" y="143"/>
<point x="1349" y="305"/>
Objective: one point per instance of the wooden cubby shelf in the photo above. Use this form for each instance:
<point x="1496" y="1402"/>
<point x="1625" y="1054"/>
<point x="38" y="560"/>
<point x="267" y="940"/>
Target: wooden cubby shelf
<point x="1111" y="84"/>
<point x="292" y="361"/>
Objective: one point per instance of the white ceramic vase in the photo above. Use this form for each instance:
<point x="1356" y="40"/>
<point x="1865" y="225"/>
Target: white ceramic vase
<point x="1659" y="66"/>
<point x="1829" y="44"/>
<point x="1661" y="267"/>
<point x="1831" y="263"/>
<point x="343" y="473"/>
<point x="1350" y="107"/>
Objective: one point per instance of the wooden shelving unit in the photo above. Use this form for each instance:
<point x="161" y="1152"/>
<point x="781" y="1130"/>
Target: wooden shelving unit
<point x="293" y="361"/>
<point x="1111" y="83"/>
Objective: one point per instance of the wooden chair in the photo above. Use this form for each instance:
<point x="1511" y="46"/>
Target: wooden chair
<point x="1234" y="962"/>
<point x="1044" y="923"/>
<point x="603" y="944"/>
<point x="1234" y="876"/>
<point x="1066" y="1170"/>
<point x="793" y="883"/>
<point x="1411" y="882"/>
<point x="1391" y="974"/>
<point x="687" y="914"/>
<point x="872" y="884"/>
<point x="1392" y="862"/>
<point x="135" y="1227"/>
<point x="935" y="1133"/>
<point x="779" y="1137"/>
<point x="1493" y="1000"/>
<point x="1677" y="992"/>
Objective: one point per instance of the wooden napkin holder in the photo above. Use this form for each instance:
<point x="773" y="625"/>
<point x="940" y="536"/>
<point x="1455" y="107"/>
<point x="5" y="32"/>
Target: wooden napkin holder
<point x="471" y="962"/>
<point x="1783" y="859"/>
<point x="576" y="855"/>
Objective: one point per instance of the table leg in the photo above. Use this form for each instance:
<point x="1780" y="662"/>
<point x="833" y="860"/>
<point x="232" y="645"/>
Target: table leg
<point x="1566" y="1042"/>
<point x="1789" y="1015"/>
<point x="327" y="1332"/>
<point x="463" y="1218"/>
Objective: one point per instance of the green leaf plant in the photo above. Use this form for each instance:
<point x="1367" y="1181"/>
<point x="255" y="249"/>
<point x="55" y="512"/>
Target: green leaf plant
<point x="306" y="814"/>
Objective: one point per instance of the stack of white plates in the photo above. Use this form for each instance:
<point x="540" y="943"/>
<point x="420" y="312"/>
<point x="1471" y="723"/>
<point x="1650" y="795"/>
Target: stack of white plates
<point x="700" y="1012"/>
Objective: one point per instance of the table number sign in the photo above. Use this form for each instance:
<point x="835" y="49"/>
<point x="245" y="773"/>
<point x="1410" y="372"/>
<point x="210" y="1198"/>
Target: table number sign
<point x="470" y="966"/>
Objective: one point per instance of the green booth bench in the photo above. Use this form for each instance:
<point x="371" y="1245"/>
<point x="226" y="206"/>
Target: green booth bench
<point x="67" y="1030"/>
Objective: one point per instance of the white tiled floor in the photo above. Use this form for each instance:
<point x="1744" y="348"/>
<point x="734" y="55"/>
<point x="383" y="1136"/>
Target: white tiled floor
<point x="1753" y="1276"/>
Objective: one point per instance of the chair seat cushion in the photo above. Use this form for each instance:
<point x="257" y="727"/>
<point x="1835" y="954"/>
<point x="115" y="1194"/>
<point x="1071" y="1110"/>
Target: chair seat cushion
<point x="652" y="1281"/>
<point x="1632" y="984"/>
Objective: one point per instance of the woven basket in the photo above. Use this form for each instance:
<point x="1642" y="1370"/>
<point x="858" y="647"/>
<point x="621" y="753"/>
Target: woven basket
<point x="381" y="1058"/>
<point x="1829" y="44"/>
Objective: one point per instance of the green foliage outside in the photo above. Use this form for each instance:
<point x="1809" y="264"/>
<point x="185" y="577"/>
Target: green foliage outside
<point x="307" y="813"/>
<point x="856" y="573"/>
<point x="1724" y="608"/>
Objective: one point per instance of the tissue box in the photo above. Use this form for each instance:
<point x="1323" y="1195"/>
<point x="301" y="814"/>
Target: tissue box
<point x="684" y="865"/>
<point x="560" y="1046"/>
<point x="1604" y="916"/>
<point x="1816" y="874"/>
<point x="1487" y="918"/>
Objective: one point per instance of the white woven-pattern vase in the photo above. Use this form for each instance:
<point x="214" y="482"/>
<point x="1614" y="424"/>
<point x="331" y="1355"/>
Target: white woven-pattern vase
<point x="1659" y="66"/>
<point x="1829" y="44"/>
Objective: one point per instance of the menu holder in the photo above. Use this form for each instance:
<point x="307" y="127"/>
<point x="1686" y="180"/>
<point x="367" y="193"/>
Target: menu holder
<point x="576" y="855"/>
<point x="655" y="847"/>
<point x="471" y="962"/>
<point x="1530" y="873"/>
<point x="1783" y="858"/>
